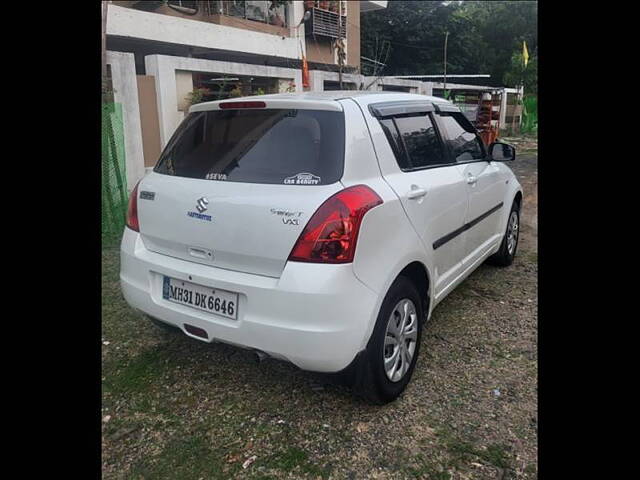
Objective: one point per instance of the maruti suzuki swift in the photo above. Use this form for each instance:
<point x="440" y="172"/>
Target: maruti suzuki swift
<point x="321" y="229"/>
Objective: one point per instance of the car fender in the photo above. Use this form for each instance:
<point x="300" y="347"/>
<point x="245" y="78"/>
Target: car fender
<point x="513" y="187"/>
<point x="387" y="243"/>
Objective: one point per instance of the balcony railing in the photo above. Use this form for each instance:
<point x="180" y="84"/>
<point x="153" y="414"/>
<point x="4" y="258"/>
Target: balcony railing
<point x="259" y="11"/>
<point x="263" y="11"/>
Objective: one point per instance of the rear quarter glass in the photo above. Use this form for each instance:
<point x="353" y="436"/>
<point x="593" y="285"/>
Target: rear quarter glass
<point x="268" y="146"/>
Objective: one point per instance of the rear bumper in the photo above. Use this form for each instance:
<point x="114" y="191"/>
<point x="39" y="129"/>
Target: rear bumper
<point x="315" y="316"/>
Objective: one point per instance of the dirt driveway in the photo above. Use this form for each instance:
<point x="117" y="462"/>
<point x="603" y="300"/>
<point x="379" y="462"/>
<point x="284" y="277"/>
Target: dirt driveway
<point x="181" y="409"/>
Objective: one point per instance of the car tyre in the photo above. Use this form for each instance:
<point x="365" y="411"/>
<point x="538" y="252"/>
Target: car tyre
<point x="374" y="383"/>
<point x="507" y="251"/>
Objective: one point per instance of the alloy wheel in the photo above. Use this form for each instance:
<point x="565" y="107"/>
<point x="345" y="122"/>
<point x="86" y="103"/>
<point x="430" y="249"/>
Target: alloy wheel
<point x="400" y="339"/>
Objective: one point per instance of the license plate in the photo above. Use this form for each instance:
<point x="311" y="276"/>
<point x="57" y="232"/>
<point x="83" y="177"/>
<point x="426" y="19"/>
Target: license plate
<point x="207" y="299"/>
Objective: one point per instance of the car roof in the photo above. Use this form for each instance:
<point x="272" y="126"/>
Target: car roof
<point x="324" y="100"/>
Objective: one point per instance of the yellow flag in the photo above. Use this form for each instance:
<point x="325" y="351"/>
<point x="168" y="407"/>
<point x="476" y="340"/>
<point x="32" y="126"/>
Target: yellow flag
<point x="525" y="53"/>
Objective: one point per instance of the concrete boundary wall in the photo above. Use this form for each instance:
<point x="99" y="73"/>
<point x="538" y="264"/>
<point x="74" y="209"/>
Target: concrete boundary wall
<point x="125" y="92"/>
<point x="318" y="77"/>
<point x="163" y="68"/>
<point x="416" y="86"/>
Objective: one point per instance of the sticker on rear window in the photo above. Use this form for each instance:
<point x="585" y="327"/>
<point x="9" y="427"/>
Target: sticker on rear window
<point x="216" y="176"/>
<point x="302" y="179"/>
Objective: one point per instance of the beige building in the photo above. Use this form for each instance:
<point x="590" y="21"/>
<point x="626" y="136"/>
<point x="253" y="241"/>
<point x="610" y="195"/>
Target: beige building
<point x="165" y="55"/>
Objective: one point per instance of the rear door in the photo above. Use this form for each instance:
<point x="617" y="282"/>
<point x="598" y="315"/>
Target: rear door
<point x="234" y="188"/>
<point x="483" y="181"/>
<point x="430" y="187"/>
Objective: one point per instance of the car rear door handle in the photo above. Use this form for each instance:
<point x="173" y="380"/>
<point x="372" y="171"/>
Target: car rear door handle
<point x="416" y="192"/>
<point x="471" y="180"/>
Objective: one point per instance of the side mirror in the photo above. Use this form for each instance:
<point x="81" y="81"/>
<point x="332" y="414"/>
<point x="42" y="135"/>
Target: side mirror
<point x="501" y="152"/>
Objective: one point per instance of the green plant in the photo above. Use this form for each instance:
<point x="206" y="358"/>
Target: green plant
<point x="236" y="92"/>
<point x="197" y="95"/>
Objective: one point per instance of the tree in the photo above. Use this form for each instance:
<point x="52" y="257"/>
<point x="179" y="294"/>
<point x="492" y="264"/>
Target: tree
<point x="518" y="74"/>
<point x="483" y="36"/>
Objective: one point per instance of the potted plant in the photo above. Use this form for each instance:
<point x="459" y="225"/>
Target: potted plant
<point x="333" y="6"/>
<point x="324" y="4"/>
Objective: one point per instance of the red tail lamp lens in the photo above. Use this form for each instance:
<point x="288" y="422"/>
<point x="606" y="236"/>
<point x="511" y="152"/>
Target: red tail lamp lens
<point x="332" y="232"/>
<point x="235" y="105"/>
<point x="132" y="210"/>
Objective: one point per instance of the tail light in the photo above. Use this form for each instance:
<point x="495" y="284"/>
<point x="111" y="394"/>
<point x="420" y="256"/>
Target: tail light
<point x="331" y="234"/>
<point x="132" y="210"/>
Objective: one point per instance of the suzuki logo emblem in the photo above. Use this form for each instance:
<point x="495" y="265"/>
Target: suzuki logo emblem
<point x="201" y="204"/>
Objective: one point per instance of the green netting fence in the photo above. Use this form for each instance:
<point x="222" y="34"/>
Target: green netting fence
<point x="114" y="180"/>
<point x="530" y="115"/>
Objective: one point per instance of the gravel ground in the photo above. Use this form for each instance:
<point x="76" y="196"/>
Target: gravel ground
<point x="177" y="408"/>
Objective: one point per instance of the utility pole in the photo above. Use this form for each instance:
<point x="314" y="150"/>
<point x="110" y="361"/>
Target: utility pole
<point x="446" y="37"/>
<point x="340" y="45"/>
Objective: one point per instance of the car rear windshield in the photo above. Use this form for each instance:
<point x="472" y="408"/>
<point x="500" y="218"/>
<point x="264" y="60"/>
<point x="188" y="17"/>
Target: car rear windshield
<point x="276" y="146"/>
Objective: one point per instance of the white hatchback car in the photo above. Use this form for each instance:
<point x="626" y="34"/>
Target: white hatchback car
<point x="318" y="228"/>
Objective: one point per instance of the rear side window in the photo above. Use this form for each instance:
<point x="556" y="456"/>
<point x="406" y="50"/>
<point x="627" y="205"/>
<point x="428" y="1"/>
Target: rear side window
<point x="464" y="143"/>
<point x="390" y="130"/>
<point x="415" y="141"/>
<point x="275" y="146"/>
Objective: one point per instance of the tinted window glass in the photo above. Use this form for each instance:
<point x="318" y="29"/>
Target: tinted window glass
<point x="392" y="135"/>
<point x="258" y="146"/>
<point x="421" y="141"/>
<point x="465" y="145"/>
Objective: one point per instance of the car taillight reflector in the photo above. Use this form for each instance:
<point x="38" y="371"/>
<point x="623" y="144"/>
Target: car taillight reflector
<point x="132" y="210"/>
<point x="235" y="105"/>
<point x="197" y="331"/>
<point x="331" y="234"/>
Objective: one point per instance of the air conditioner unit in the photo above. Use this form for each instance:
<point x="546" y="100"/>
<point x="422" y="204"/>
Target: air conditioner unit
<point x="324" y="23"/>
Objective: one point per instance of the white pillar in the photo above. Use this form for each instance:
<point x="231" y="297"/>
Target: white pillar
<point x="427" y="88"/>
<point x="316" y="81"/>
<point x="166" y="95"/>
<point x="125" y="92"/>
<point x="503" y="109"/>
<point x="521" y="98"/>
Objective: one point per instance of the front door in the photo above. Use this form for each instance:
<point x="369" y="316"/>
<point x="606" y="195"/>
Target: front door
<point x="485" y="205"/>
<point x="483" y="181"/>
